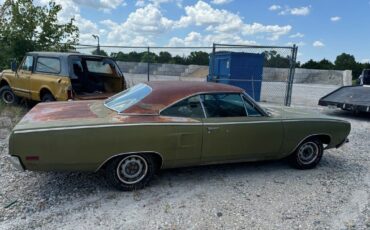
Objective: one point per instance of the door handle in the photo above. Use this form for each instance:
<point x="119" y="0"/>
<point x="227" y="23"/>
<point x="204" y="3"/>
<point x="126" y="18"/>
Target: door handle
<point x="210" y="129"/>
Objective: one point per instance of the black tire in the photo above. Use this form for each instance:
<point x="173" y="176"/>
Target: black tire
<point x="308" y="154"/>
<point x="7" y="95"/>
<point x="131" y="172"/>
<point x="47" y="97"/>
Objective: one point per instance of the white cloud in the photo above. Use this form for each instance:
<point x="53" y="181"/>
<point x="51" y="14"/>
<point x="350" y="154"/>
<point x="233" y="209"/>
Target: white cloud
<point x="318" y="44"/>
<point x="223" y="21"/>
<point x="275" y="7"/>
<point x="141" y="25"/>
<point x="196" y="39"/>
<point x="297" y="35"/>
<point x="140" y="3"/>
<point x="299" y="11"/>
<point x="103" y="5"/>
<point x="275" y="31"/>
<point x="220" y="2"/>
<point x="335" y="18"/>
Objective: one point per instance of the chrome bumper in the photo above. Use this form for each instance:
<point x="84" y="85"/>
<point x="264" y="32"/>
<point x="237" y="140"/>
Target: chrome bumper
<point x="16" y="162"/>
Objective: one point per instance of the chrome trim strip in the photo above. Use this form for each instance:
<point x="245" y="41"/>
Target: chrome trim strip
<point x="102" y="126"/>
<point x="164" y="124"/>
<point x="129" y="153"/>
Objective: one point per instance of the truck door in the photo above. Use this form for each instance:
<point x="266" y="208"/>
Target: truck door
<point x="22" y="82"/>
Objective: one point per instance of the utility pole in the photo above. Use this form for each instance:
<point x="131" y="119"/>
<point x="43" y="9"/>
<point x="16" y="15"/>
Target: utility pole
<point x="98" y="48"/>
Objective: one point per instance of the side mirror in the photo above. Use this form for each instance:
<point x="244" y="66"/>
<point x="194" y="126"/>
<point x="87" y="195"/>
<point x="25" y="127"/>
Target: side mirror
<point x="13" y="65"/>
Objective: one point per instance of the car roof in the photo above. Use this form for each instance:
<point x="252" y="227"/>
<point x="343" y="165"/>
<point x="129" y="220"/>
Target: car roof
<point x="166" y="93"/>
<point x="62" y="54"/>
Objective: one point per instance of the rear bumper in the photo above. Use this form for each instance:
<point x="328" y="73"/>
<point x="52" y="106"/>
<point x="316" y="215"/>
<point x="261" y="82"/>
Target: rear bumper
<point x="16" y="162"/>
<point x="346" y="140"/>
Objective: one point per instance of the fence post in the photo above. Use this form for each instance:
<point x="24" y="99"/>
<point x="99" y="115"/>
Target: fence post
<point x="148" y="61"/>
<point x="212" y="63"/>
<point x="288" y="97"/>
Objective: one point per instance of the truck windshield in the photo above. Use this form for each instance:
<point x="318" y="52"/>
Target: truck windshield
<point x="127" y="98"/>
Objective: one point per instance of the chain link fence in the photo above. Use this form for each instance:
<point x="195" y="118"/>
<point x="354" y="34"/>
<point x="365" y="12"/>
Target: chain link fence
<point x="140" y="64"/>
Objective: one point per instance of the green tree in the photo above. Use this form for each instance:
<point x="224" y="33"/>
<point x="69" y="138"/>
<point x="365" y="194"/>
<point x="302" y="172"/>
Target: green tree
<point x="164" y="57"/>
<point x="25" y="27"/>
<point x="101" y="52"/>
<point x="198" y="58"/>
<point x="348" y="62"/>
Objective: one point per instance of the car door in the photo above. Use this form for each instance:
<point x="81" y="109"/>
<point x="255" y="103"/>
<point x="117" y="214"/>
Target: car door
<point x="22" y="84"/>
<point x="235" y="129"/>
<point x="186" y="134"/>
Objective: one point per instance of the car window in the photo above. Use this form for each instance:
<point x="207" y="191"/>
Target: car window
<point x="98" y="66"/>
<point x="127" y="98"/>
<point x="224" y="105"/>
<point x="189" y="107"/>
<point x="27" y="63"/>
<point x="251" y="109"/>
<point x="48" y="65"/>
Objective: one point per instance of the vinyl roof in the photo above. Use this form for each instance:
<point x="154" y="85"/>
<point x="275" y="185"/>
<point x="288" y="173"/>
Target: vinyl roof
<point x="165" y="93"/>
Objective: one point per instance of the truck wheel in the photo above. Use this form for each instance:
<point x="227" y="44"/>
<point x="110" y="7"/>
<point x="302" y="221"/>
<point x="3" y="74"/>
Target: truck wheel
<point x="130" y="172"/>
<point x="7" y="95"/>
<point x="308" y="154"/>
<point x="47" y="97"/>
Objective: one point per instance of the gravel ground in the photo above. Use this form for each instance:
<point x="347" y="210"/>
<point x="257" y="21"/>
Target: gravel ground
<point x="265" y="195"/>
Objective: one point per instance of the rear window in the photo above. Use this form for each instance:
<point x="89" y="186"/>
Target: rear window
<point x="98" y="66"/>
<point x="127" y="98"/>
<point x="48" y="65"/>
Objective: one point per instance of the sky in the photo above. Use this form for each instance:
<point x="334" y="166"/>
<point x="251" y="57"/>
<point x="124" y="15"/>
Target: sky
<point x="320" y="28"/>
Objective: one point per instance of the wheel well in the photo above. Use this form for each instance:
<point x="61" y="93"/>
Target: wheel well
<point x="3" y="83"/>
<point x="44" y="91"/>
<point x="156" y="156"/>
<point x="324" y="138"/>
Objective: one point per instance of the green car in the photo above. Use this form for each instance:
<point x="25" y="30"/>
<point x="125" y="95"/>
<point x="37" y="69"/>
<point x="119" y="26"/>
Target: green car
<point x="160" y="125"/>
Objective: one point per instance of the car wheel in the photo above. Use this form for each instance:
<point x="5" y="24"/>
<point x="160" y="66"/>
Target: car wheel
<point x="47" y="97"/>
<point x="131" y="172"/>
<point x="307" y="155"/>
<point x="7" y="95"/>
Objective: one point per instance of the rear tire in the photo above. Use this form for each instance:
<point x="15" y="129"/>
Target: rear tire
<point x="7" y="95"/>
<point x="47" y="97"/>
<point x="131" y="172"/>
<point x="308" y="154"/>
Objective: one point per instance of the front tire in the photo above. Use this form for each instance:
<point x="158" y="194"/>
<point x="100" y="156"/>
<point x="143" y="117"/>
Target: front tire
<point x="47" y="97"/>
<point x="307" y="155"/>
<point x="131" y="172"/>
<point x="7" y="95"/>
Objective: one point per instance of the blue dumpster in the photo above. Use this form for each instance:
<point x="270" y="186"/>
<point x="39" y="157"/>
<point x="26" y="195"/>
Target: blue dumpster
<point x="239" y="69"/>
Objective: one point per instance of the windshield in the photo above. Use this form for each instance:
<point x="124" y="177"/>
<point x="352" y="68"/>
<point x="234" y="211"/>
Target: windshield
<point x="127" y="98"/>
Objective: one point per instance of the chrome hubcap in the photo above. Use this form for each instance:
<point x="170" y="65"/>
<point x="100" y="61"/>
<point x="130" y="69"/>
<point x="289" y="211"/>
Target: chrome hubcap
<point x="132" y="169"/>
<point x="308" y="152"/>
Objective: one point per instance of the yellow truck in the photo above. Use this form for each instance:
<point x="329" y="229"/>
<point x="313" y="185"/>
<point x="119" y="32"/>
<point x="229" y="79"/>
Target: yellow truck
<point x="54" y="76"/>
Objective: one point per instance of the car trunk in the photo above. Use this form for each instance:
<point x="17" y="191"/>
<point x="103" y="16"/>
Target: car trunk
<point x="95" y="78"/>
<point x="62" y="114"/>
